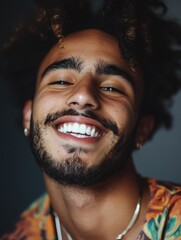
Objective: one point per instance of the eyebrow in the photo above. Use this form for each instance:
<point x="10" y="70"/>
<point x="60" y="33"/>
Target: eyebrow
<point x="74" y="63"/>
<point x="111" y="69"/>
<point x="102" y="67"/>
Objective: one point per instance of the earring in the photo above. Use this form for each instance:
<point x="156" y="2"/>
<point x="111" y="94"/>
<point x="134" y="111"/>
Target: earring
<point x="26" y="132"/>
<point x="139" y="145"/>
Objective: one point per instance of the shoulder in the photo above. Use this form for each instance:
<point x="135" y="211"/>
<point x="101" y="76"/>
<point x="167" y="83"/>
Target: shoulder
<point x="170" y="187"/>
<point x="34" y="223"/>
<point x="163" y="218"/>
<point x="165" y="196"/>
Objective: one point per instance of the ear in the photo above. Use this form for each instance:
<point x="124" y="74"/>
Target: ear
<point x="27" y="111"/>
<point x="144" y="130"/>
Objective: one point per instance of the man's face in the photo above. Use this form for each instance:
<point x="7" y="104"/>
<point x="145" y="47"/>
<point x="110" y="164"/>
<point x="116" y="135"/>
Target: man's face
<point x="85" y="109"/>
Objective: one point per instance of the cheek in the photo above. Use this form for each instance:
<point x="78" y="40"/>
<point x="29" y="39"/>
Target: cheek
<point x="47" y="103"/>
<point x="124" y="115"/>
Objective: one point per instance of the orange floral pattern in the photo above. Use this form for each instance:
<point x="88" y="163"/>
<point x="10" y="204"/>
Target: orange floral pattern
<point x="162" y="222"/>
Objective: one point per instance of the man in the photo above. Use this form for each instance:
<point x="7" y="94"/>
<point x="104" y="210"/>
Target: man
<point x="100" y="92"/>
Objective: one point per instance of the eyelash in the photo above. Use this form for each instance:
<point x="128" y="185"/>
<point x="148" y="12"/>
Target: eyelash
<point x="111" y="89"/>
<point x="105" y="89"/>
<point x="60" y="82"/>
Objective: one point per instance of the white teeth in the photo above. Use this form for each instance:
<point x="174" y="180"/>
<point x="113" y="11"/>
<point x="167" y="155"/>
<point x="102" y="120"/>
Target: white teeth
<point x="79" y="135"/>
<point x="82" y="128"/>
<point x="79" y="130"/>
<point x="92" y="132"/>
<point x="65" y="127"/>
<point x="69" y="127"/>
<point x="96" y="134"/>
<point x="75" y="128"/>
<point x="88" y="131"/>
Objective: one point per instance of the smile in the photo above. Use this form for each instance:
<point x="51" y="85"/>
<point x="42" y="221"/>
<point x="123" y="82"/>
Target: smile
<point x="79" y="130"/>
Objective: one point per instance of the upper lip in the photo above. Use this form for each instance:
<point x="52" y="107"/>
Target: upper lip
<point x="80" y="120"/>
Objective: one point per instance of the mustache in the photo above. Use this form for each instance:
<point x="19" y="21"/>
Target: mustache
<point x="88" y="114"/>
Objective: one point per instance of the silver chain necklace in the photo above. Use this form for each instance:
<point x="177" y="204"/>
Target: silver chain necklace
<point x="60" y="228"/>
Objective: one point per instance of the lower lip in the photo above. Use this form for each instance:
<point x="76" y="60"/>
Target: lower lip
<point x="86" y="140"/>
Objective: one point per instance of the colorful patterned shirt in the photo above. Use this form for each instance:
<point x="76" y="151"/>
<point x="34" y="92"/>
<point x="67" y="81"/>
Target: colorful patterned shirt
<point x="162" y="220"/>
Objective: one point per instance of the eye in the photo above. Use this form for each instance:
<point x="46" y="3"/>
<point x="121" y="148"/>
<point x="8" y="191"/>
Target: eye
<point x="111" y="89"/>
<point x="60" y="82"/>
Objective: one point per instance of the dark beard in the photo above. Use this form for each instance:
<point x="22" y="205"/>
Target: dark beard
<point x="73" y="171"/>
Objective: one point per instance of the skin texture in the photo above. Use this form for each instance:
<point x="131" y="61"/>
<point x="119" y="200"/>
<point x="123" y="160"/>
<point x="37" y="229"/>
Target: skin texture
<point x="94" y="212"/>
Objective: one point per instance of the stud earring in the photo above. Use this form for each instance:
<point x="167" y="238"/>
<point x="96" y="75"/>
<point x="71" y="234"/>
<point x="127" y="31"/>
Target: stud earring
<point x="26" y="132"/>
<point x="139" y="145"/>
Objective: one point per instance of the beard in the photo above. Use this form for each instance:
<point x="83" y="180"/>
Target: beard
<point x="73" y="171"/>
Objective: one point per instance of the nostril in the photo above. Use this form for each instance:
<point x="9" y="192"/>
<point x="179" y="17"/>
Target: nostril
<point x="88" y="105"/>
<point x="83" y="99"/>
<point x="77" y="105"/>
<point x="74" y="103"/>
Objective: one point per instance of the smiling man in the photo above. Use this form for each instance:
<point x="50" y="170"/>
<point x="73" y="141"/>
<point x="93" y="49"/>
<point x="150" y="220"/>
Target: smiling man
<point x="100" y="91"/>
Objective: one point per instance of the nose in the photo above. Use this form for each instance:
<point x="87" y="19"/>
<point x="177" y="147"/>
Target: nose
<point x="84" y="96"/>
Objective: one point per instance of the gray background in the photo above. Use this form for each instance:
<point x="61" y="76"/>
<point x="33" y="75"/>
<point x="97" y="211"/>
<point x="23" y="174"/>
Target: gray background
<point x="21" y="180"/>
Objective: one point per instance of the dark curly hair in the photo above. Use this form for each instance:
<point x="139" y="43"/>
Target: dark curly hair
<point x="144" y="36"/>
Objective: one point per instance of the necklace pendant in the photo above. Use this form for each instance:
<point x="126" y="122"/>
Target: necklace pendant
<point x="119" y="237"/>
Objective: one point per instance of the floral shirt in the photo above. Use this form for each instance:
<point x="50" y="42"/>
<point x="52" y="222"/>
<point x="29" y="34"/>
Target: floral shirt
<point x="162" y="221"/>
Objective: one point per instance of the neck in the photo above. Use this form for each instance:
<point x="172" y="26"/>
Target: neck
<point x="100" y="212"/>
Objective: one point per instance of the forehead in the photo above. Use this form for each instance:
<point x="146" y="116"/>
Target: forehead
<point x="90" y="45"/>
<point x="92" y="48"/>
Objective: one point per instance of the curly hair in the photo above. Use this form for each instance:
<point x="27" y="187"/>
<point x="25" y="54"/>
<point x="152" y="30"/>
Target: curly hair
<point x="144" y="35"/>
